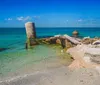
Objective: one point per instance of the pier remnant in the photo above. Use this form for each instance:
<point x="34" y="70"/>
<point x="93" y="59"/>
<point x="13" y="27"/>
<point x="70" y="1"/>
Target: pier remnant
<point x="30" y="30"/>
<point x="31" y="34"/>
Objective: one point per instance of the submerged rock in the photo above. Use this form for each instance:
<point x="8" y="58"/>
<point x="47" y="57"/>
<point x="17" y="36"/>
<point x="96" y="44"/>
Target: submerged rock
<point x="3" y="49"/>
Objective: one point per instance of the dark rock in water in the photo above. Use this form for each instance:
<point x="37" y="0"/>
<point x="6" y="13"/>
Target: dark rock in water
<point x="3" y="49"/>
<point x="59" y="40"/>
<point x="75" y="32"/>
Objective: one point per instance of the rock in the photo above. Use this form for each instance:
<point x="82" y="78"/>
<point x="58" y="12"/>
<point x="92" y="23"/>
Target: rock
<point x="71" y="39"/>
<point x="58" y="41"/>
<point x="2" y="49"/>
<point x="75" y="33"/>
<point x="87" y="41"/>
<point x="47" y="39"/>
<point x="95" y="58"/>
<point x="68" y="44"/>
<point x="63" y="43"/>
<point x="96" y="42"/>
<point x="53" y="40"/>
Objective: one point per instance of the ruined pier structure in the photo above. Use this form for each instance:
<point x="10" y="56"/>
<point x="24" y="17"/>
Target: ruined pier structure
<point x="31" y="34"/>
<point x="65" y="41"/>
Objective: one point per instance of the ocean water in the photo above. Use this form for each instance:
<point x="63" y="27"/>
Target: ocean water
<point x="16" y="36"/>
<point x="15" y="56"/>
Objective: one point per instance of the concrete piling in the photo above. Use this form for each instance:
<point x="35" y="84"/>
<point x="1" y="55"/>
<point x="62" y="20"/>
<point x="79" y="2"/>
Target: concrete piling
<point x="31" y="34"/>
<point x="30" y="30"/>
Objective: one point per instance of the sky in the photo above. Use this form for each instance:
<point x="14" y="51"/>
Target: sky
<point x="50" y="13"/>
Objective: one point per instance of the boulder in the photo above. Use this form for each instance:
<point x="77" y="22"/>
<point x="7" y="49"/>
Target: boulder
<point x="58" y="41"/>
<point x="68" y="44"/>
<point x="47" y="39"/>
<point x="87" y="41"/>
<point x="96" y="42"/>
<point x="53" y="40"/>
<point x="75" y="33"/>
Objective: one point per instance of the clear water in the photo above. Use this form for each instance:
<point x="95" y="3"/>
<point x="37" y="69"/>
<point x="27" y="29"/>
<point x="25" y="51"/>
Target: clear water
<point x="13" y="59"/>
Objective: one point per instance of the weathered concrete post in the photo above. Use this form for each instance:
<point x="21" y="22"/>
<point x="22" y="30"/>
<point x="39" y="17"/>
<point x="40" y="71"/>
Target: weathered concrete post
<point x="31" y="34"/>
<point x="30" y="30"/>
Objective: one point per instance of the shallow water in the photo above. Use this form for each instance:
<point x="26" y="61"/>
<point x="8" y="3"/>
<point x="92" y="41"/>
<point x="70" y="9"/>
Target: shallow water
<point x="13" y="59"/>
<point x="15" y="62"/>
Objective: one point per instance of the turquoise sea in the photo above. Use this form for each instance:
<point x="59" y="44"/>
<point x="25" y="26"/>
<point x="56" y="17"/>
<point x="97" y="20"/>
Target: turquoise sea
<point x="15" y="56"/>
<point x="12" y="37"/>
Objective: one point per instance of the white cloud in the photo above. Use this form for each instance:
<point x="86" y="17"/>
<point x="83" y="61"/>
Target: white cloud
<point x="23" y="18"/>
<point x="8" y="19"/>
<point x="20" y="18"/>
<point x="36" y="17"/>
<point x="80" y="20"/>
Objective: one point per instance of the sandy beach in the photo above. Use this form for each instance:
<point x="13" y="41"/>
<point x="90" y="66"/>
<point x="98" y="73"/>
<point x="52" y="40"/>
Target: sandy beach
<point x="58" y="76"/>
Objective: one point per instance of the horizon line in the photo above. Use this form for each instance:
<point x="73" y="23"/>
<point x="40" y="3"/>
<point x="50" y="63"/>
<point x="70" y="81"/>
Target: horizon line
<point x="51" y="27"/>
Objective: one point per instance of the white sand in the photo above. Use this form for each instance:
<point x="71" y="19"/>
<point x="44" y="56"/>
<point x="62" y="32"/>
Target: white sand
<point x="59" y="76"/>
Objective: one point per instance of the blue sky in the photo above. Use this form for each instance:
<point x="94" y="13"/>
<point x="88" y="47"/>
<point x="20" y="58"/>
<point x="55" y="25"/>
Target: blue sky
<point x="50" y="13"/>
